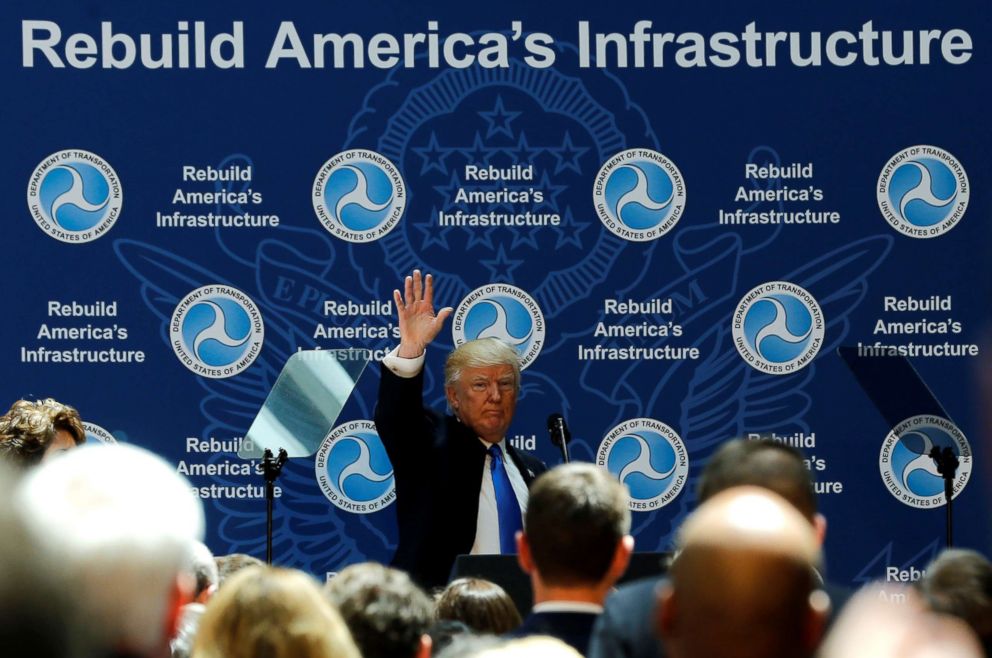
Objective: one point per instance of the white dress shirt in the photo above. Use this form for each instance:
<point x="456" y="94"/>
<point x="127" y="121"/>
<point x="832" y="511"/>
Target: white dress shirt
<point x="487" y="527"/>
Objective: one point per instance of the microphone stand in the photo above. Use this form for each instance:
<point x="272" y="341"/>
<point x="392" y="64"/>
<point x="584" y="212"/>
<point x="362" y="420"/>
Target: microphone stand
<point x="560" y="436"/>
<point x="564" y="452"/>
<point x="947" y="465"/>
<point x="271" y="467"/>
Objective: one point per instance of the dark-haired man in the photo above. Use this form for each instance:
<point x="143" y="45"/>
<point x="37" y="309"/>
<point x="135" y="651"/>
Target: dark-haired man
<point x="575" y="546"/>
<point x="387" y="614"/>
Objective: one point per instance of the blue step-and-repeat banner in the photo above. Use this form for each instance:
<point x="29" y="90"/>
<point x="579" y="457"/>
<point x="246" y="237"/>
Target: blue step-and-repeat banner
<point x="678" y="213"/>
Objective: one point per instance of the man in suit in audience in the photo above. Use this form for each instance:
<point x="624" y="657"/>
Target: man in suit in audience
<point x="743" y="584"/>
<point x="575" y="546"/>
<point x="387" y="614"/>
<point x="460" y="486"/>
<point x="626" y="628"/>
<point x="118" y="523"/>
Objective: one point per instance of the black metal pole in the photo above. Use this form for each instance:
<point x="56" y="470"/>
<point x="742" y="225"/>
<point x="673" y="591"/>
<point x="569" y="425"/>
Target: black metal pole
<point x="949" y="494"/>
<point x="947" y="465"/>
<point x="271" y="469"/>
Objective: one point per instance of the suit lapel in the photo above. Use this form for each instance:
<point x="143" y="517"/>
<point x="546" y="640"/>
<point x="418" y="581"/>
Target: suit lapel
<point x="526" y="471"/>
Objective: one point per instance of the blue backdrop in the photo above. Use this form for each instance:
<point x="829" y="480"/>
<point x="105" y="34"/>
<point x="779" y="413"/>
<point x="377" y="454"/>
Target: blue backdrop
<point x="678" y="213"/>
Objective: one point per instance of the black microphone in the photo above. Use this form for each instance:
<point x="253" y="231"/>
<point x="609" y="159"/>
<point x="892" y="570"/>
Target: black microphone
<point x="560" y="436"/>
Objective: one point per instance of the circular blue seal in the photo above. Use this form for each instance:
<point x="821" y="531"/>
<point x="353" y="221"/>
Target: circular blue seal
<point x="216" y="331"/>
<point x="353" y="470"/>
<point x="649" y="458"/>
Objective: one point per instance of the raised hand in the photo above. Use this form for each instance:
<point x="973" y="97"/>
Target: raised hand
<point x="415" y="309"/>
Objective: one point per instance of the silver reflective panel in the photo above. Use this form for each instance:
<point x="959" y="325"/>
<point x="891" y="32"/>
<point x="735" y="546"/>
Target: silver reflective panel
<point x="305" y="402"/>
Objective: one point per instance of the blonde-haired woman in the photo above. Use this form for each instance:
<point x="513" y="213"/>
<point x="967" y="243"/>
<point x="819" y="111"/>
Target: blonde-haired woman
<point x="275" y="613"/>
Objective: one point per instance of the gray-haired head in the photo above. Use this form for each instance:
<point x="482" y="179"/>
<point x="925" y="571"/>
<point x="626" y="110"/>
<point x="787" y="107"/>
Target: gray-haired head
<point x="481" y="353"/>
<point x="119" y="522"/>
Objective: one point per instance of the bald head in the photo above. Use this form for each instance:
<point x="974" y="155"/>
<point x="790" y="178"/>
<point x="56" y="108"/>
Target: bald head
<point x="751" y="518"/>
<point x="742" y="582"/>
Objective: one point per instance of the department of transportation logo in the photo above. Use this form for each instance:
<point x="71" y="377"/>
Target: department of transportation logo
<point x="501" y="311"/>
<point x="923" y="191"/>
<point x="96" y="434"/>
<point x="353" y="469"/>
<point x="778" y="328"/>
<point x="359" y="195"/>
<point x="216" y="331"/>
<point x="908" y="471"/>
<point x="74" y="196"/>
<point x="639" y="194"/>
<point x="649" y="458"/>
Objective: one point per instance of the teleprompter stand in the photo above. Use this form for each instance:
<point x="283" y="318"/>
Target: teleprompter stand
<point x="299" y="412"/>
<point x="947" y="465"/>
<point x="898" y="392"/>
<point x="271" y="468"/>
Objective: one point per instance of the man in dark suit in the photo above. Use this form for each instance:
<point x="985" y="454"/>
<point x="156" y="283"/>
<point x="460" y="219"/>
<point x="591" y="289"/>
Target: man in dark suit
<point x="575" y="546"/>
<point x="460" y="487"/>
<point x="627" y="627"/>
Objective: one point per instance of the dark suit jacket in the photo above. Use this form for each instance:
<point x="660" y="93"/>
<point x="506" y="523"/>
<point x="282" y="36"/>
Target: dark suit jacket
<point x="626" y="629"/>
<point x="572" y="628"/>
<point x="438" y="463"/>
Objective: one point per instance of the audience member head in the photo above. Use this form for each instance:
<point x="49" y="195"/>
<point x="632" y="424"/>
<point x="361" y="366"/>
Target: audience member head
<point x="894" y="623"/>
<point x="742" y="585"/>
<point x="387" y="614"/>
<point x="763" y="463"/>
<point x="201" y="564"/>
<point x="228" y="565"/>
<point x="118" y="521"/>
<point x="576" y="531"/>
<point x="959" y="583"/>
<point x="483" y="605"/>
<point x="34" y="618"/>
<point x="35" y="430"/>
<point x="277" y="613"/>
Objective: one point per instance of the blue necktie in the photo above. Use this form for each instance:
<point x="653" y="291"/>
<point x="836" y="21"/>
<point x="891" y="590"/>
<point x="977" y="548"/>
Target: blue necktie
<point x="507" y="507"/>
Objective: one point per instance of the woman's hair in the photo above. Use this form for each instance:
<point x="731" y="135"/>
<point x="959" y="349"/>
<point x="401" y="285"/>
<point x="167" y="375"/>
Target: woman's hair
<point x="483" y="606"/>
<point x="30" y="426"/>
<point x="277" y="613"/>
